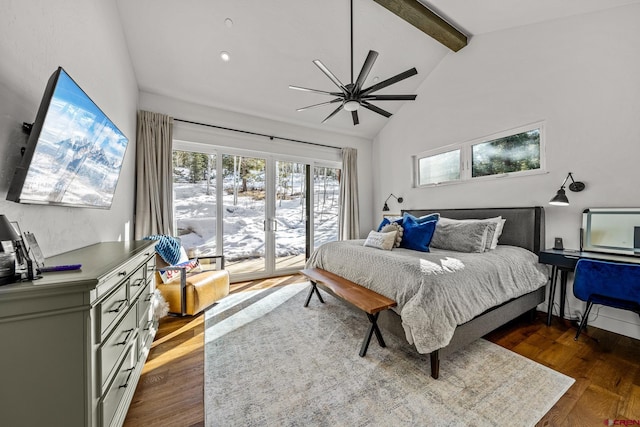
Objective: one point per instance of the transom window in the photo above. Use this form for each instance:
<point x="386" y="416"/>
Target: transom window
<point x="513" y="152"/>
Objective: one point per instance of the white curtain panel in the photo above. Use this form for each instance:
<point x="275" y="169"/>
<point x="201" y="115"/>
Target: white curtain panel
<point x="154" y="175"/>
<point x="349" y="222"/>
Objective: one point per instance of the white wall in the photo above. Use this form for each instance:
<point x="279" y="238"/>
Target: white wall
<point x="580" y="75"/>
<point x="206" y="135"/>
<point x="85" y="38"/>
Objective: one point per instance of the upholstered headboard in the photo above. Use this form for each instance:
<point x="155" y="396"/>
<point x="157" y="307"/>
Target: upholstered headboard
<point x="524" y="227"/>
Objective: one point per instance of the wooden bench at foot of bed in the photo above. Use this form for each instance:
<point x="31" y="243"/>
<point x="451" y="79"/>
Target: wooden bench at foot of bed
<point x="372" y="303"/>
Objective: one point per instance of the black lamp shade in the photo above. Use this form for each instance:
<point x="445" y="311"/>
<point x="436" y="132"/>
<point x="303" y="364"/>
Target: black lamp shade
<point x="385" y="208"/>
<point x="560" y="199"/>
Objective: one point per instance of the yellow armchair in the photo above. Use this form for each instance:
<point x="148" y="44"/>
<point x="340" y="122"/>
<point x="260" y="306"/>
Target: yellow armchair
<point x="192" y="292"/>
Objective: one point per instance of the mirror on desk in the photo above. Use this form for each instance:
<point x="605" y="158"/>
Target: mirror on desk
<point x="613" y="230"/>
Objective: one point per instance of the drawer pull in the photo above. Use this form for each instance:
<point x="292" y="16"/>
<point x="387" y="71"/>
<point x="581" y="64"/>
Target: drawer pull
<point x="148" y="298"/>
<point x="148" y="326"/>
<point x="117" y="309"/>
<point x="124" y="341"/>
<point x="138" y="282"/>
<point x="122" y="273"/>
<point x="126" y="383"/>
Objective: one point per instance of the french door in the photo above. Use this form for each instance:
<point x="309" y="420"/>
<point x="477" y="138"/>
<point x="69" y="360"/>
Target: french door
<point x="261" y="212"/>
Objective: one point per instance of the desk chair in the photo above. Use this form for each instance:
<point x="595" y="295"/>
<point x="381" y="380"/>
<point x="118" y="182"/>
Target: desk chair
<point x="607" y="283"/>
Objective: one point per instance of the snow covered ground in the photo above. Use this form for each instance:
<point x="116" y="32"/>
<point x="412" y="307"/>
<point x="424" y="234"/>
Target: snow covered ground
<point x="243" y="223"/>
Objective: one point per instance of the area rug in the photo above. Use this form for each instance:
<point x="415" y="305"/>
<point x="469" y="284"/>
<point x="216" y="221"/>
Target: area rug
<point x="271" y="362"/>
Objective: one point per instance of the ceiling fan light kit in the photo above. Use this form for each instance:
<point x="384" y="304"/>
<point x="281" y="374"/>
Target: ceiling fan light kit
<point x="352" y="95"/>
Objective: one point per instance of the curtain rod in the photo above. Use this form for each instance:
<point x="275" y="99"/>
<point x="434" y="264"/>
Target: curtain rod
<point x="271" y="137"/>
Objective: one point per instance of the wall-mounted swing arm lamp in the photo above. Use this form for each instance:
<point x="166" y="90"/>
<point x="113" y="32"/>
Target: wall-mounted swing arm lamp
<point x="385" y="208"/>
<point x="560" y="199"/>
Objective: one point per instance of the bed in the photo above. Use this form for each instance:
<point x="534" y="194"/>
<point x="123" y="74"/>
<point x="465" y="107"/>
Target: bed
<point x="448" y="299"/>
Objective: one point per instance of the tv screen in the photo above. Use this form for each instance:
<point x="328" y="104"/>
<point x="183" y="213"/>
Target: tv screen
<point x="74" y="153"/>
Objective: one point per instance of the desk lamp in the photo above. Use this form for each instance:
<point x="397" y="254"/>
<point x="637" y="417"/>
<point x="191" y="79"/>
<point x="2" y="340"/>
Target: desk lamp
<point x="7" y="259"/>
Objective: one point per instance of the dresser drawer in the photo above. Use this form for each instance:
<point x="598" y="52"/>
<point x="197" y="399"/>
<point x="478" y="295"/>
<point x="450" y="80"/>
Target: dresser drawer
<point x="145" y="338"/>
<point x="112" y="308"/>
<point x="124" y="379"/>
<point x="144" y="303"/>
<point x="110" y="281"/>
<point x="114" y="346"/>
<point x="137" y="282"/>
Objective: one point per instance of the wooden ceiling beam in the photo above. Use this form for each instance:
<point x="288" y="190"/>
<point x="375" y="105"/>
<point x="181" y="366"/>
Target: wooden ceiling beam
<point x="421" y="17"/>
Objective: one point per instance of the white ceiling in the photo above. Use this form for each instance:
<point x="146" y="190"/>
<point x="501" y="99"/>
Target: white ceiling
<point x="175" y="48"/>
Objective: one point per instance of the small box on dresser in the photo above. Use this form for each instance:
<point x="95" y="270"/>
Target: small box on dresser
<point x="75" y="342"/>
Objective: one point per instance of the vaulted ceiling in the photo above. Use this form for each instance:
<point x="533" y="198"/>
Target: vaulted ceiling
<point x="176" y="47"/>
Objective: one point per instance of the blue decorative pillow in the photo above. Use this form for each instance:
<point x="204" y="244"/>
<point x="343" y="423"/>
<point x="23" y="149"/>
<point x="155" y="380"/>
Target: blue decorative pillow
<point x="386" y="221"/>
<point x="425" y="218"/>
<point x="417" y="236"/>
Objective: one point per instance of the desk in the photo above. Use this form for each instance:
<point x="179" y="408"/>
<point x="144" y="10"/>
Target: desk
<point x="564" y="261"/>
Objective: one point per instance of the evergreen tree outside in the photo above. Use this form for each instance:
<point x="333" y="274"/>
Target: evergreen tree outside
<point x="513" y="153"/>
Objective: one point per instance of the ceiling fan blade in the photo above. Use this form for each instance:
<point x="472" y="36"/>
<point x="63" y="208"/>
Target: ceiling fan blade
<point x="318" y="105"/>
<point x="366" y="68"/>
<point x="378" y="110"/>
<point x="390" y="81"/>
<point x="389" y="97"/>
<point x="334" y="112"/>
<point x="331" y="76"/>
<point x="354" y="116"/>
<point x="324" y="92"/>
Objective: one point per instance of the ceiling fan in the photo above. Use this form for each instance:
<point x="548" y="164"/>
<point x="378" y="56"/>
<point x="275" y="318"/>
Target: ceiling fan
<point x="352" y="95"/>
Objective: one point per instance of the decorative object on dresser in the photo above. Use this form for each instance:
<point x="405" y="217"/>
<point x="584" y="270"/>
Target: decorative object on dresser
<point x="78" y="339"/>
<point x="188" y="285"/>
<point x="7" y="257"/>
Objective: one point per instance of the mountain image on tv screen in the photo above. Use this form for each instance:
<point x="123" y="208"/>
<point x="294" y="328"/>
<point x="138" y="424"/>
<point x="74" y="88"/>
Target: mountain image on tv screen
<point x="79" y="152"/>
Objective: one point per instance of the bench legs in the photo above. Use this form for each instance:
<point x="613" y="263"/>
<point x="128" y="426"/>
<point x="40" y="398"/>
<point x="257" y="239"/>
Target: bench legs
<point x="314" y="288"/>
<point x="373" y="318"/>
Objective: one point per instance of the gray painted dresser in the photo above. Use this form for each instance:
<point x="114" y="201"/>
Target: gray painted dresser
<point x="72" y="344"/>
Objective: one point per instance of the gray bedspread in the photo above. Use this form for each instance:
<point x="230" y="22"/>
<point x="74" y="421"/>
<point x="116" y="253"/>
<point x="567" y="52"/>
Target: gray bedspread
<point x="437" y="290"/>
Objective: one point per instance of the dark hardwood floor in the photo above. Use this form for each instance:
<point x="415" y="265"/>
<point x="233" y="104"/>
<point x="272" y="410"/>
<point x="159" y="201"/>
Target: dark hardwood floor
<point x="606" y="367"/>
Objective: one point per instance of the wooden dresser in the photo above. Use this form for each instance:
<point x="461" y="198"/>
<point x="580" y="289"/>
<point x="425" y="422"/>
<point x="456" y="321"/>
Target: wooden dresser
<point x="73" y="344"/>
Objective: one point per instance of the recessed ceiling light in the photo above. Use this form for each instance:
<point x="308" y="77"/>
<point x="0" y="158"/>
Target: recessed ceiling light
<point x="228" y="22"/>
<point x="225" y="56"/>
<point x="375" y="79"/>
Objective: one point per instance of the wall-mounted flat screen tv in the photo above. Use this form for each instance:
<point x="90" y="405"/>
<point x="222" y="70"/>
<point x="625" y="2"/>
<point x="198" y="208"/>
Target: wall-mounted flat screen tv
<point x="74" y="153"/>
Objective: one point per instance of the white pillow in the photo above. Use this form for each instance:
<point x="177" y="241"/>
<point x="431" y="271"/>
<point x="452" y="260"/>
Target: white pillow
<point x="379" y="240"/>
<point x="499" y="226"/>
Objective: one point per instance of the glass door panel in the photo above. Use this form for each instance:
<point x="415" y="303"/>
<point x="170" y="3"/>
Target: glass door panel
<point x="194" y="187"/>
<point x="290" y="213"/>
<point x="244" y="220"/>
<point x="326" y="198"/>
